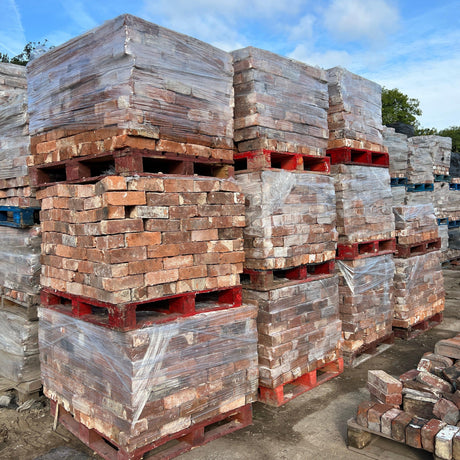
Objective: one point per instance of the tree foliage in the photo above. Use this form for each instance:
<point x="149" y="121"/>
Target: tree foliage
<point x="24" y="57"/>
<point x="398" y="107"/>
<point x="454" y="133"/>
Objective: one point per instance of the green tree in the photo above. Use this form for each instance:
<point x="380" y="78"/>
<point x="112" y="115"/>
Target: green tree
<point x="426" y="131"/>
<point x="454" y="133"/>
<point x="24" y="57"/>
<point x="398" y="107"/>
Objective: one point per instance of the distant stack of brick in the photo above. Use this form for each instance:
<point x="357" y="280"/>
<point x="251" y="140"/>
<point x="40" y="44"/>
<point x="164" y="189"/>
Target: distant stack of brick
<point x="19" y="242"/>
<point x="143" y="336"/>
<point x="420" y="409"/>
<point x="453" y="208"/>
<point x="290" y="235"/>
<point x="419" y="286"/>
<point x="365" y="221"/>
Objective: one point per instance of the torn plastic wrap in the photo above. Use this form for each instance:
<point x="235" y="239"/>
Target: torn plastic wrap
<point x="280" y="104"/>
<point x="131" y="74"/>
<point x="364" y="203"/>
<point x="299" y="329"/>
<point x="290" y="218"/>
<point x="355" y="107"/>
<point x="20" y="259"/>
<point x="398" y="151"/>
<point x="139" y="386"/>
<point x="366" y="300"/>
<point x="19" y="360"/>
<point x="419" y="289"/>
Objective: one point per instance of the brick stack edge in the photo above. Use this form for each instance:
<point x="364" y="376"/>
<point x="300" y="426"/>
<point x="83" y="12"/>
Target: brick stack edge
<point x="419" y="284"/>
<point x="364" y="212"/>
<point x="281" y="104"/>
<point x="128" y="239"/>
<point x="19" y="247"/>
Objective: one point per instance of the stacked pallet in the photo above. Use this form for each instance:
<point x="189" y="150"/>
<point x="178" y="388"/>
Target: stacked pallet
<point x="290" y="236"/>
<point x="419" y="287"/>
<point x="19" y="241"/>
<point x="143" y="335"/>
<point x="420" y="409"/>
<point x="453" y="207"/>
<point x="365" y="221"/>
<point x="398" y="151"/>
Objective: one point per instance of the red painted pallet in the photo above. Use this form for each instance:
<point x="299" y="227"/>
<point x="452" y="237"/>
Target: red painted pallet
<point x="411" y="250"/>
<point x="365" y="249"/>
<point x="288" y="391"/>
<point x="273" y="279"/>
<point x="127" y="161"/>
<point x="183" y="441"/>
<point x="348" y="155"/>
<point x="422" y="326"/>
<point x="256" y="160"/>
<point x="139" y="314"/>
<point x="366" y="351"/>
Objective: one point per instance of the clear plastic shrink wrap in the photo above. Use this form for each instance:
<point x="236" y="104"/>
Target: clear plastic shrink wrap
<point x="364" y="203"/>
<point x="398" y="151"/>
<point x="20" y="259"/>
<point x="131" y="74"/>
<point x="299" y="329"/>
<point x="415" y="223"/>
<point x="280" y="104"/>
<point x="419" y="289"/>
<point x="139" y="386"/>
<point x="441" y="196"/>
<point x="19" y="360"/>
<point x="355" y="108"/>
<point x="438" y="148"/>
<point x="290" y="219"/>
<point x="366" y="300"/>
<point x="454" y="238"/>
<point x="124" y="240"/>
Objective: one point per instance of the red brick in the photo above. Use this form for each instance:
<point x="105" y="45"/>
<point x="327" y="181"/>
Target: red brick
<point x="122" y="226"/>
<point x="384" y="382"/>
<point x="429" y="432"/>
<point x="414" y="432"/>
<point x="161" y="276"/>
<point x="115" y="212"/>
<point x="374" y="415"/>
<point x="205" y="235"/>
<point x="447" y="411"/>
<point x="387" y="418"/>
<point x="433" y="381"/>
<point x="409" y="375"/>
<point x="183" y="212"/>
<point x="176" y="237"/>
<point x="164" y="225"/>
<point x="199" y="271"/>
<point x="117" y="256"/>
<point x="164" y="250"/>
<point x="70" y="253"/>
<point x="399" y="425"/>
<point x="143" y="239"/>
<point x="110" y="183"/>
<point x="125" y="198"/>
<point x="363" y="409"/>
<point x="178" y="185"/>
<point x="178" y="262"/>
<point x="127" y="282"/>
<point x="144" y="266"/>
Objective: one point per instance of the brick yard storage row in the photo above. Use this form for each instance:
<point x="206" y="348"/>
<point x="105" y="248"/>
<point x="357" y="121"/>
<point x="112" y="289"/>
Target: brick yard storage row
<point x="215" y="228"/>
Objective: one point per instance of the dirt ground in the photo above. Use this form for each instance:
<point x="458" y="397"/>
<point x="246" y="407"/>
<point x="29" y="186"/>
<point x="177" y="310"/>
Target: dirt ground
<point x="311" y="426"/>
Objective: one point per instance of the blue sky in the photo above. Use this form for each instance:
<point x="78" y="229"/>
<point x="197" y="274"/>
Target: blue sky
<point x="413" y="45"/>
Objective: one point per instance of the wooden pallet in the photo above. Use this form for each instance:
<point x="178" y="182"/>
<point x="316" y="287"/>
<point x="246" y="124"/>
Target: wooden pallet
<point x="165" y="448"/>
<point x="420" y="187"/>
<point x="365" y="249"/>
<point x="128" y="161"/>
<point x="24" y="390"/>
<point x="288" y="391"/>
<point x="416" y="249"/>
<point x="257" y="160"/>
<point x="367" y="351"/>
<point x="267" y="280"/>
<point x="140" y="314"/>
<point x="12" y="216"/>
<point x="25" y="310"/>
<point x="358" y="157"/>
<point x="408" y="333"/>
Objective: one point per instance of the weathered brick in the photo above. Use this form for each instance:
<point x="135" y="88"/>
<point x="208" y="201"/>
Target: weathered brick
<point x="399" y="425"/>
<point x="414" y="432"/>
<point x="143" y="239"/>
<point x="429" y="432"/>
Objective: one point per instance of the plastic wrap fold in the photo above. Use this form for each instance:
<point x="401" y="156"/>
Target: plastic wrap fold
<point x="290" y="218"/>
<point x="132" y="74"/>
<point x="415" y="223"/>
<point x="20" y="259"/>
<point x="139" y="386"/>
<point x="280" y="104"/>
<point x="398" y="151"/>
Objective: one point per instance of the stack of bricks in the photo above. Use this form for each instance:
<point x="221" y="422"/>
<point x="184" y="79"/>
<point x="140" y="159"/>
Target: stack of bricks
<point x="453" y="207"/>
<point x="290" y="236"/>
<point x="19" y="240"/>
<point x="419" y="287"/>
<point x="365" y="221"/>
<point x="141" y="266"/>
<point x="420" y="409"/>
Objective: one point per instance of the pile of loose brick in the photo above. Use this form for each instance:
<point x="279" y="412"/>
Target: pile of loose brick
<point x="420" y="409"/>
<point x="365" y="221"/>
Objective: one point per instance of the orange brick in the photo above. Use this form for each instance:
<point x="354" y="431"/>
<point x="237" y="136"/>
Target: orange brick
<point x="178" y="185"/>
<point x="118" y="256"/>
<point x="170" y="146"/>
<point x="164" y="250"/>
<point x="122" y="226"/>
<point x="125" y="198"/>
<point x="144" y="266"/>
<point x="110" y="183"/>
<point x="193" y="272"/>
<point x="70" y="253"/>
<point x="178" y="262"/>
<point x="205" y="235"/>
<point x="126" y="282"/>
<point x="115" y="212"/>
<point x="143" y="239"/>
<point x="161" y="276"/>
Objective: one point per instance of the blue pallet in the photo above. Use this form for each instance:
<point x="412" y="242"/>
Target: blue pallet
<point x="442" y="178"/>
<point x="443" y="221"/>
<point x="12" y="216"/>
<point x="419" y="187"/>
<point x="454" y="186"/>
<point x="454" y="223"/>
<point x="398" y="181"/>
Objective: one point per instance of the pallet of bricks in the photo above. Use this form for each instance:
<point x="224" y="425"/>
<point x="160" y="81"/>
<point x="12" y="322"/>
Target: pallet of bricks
<point x="290" y="235"/>
<point x="19" y="243"/>
<point x="419" y="409"/>
<point x="365" y="222"/>
<point x="418" y="282"/>
<point x="452" y="252"/>
<point x="143" y="336"/>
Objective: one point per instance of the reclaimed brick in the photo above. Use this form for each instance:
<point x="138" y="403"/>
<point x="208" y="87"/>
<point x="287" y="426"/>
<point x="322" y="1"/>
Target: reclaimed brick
<point x="429" y="432"/>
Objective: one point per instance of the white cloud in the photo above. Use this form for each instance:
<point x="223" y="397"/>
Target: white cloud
<point x="326" y="60"/>
<point x="79" y="15"/>
<point x="352" y="20"/>
<point x="303" y="30"/>
<point x="12" y="36"/>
